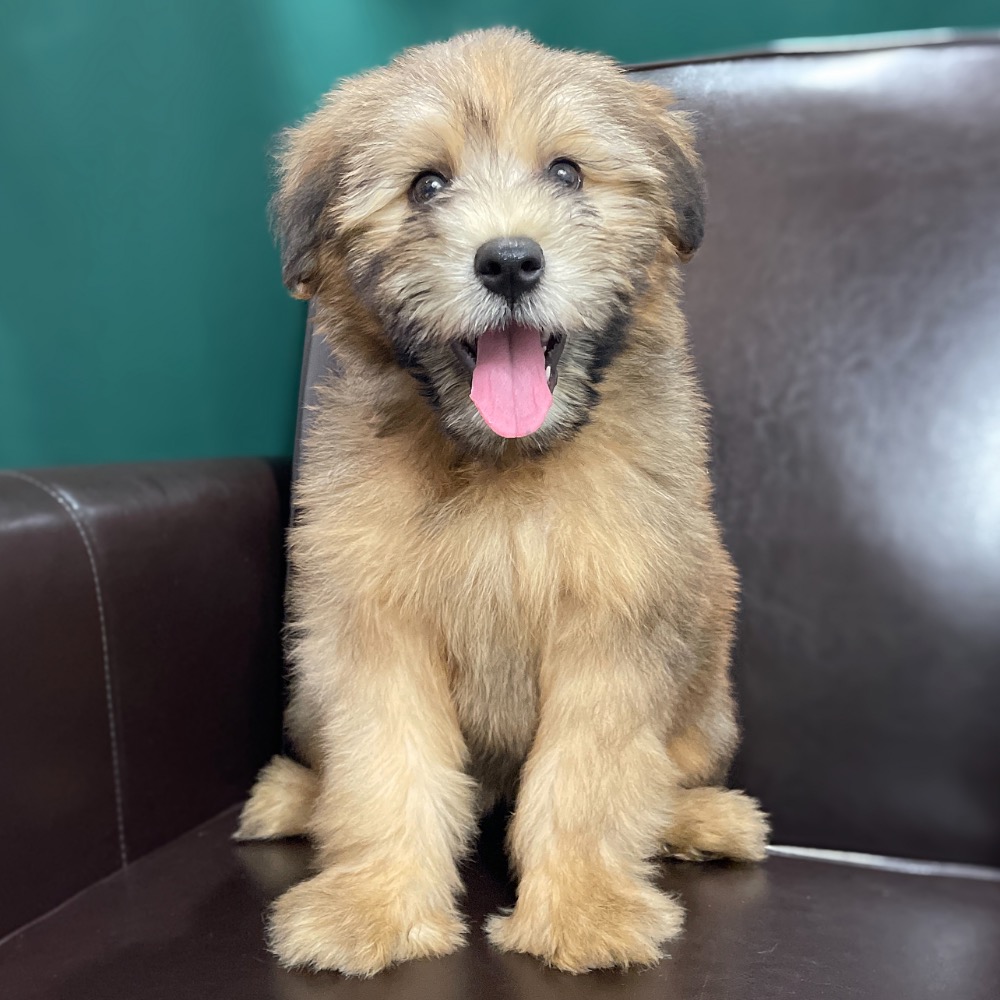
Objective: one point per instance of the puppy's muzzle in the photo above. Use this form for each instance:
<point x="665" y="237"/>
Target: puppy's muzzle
<point x="510" y="266"/>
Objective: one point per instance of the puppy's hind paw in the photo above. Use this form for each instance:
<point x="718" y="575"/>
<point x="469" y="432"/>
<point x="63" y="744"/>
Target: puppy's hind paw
<point x="717" y="823"/>
<point x="280" y="803"/>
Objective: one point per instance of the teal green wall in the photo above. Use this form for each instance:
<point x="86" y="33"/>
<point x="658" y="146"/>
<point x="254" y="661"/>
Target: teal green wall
<point x="141" y="315"/>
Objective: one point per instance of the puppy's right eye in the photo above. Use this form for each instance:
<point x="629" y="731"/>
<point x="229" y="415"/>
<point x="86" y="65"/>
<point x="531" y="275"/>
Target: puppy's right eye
<point x="426" y="186"/>
<point x="567" y="173"/>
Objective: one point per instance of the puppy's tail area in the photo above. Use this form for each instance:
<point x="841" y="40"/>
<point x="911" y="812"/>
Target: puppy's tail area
<point x="281" y="802"/>
<point x="711" y="822"/>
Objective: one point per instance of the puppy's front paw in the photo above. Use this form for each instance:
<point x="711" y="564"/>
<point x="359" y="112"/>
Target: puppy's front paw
<point x="359" y="922"/>
<point x="588" y="922"/>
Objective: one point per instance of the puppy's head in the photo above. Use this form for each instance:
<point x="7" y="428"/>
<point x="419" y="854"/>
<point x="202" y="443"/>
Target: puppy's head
<point x="493" y="209"/>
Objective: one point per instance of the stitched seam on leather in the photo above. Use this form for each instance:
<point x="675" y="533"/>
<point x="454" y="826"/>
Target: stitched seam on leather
<point x="72" y="510"/>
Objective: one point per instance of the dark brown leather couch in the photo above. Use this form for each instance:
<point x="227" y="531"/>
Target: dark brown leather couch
<point x="845" y="312"/>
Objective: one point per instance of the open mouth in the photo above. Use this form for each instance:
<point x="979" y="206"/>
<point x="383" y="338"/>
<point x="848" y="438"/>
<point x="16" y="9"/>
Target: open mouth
<point x="551" y="344"/>
<point x="514" y="370"/>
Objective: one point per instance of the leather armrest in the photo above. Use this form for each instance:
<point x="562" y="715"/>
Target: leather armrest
<point x="140" y="660"/>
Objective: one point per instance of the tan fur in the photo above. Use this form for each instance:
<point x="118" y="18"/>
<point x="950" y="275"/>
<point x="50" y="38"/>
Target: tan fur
<point x="546" y="619"/>
<point x="716" y="822"/>
<point x="281" y="802"/>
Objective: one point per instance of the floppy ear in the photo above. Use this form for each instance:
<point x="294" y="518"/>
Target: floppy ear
<point x="687" y="190"/>
<point x="299" y="211"/>
<point x="673" y="138"/>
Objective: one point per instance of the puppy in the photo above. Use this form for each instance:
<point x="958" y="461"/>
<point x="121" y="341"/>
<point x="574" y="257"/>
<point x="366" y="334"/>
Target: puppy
<point x="507" y="580"/>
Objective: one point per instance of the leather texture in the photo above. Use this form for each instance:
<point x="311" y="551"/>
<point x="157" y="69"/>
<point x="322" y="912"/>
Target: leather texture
<point x="56" y="771"/>
<point x="185" y="924"/>
<point x="845" y="315"/>
<point x="140" y="676"/>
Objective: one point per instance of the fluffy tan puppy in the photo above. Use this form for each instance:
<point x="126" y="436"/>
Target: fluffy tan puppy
<point x="507" y="580"/>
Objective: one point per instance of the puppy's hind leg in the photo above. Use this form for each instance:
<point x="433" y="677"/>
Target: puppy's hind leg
<point x="281" y="802"/>
<point x="706" y="820"/>
<point x="712" y="822"/>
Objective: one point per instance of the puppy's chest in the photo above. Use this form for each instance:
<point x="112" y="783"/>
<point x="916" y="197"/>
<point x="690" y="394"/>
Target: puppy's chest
<point x="495" y="602"/>
<point x="497" y="579"/>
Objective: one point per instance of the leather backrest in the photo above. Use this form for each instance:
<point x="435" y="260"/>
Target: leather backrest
<point x="845" y="315"/>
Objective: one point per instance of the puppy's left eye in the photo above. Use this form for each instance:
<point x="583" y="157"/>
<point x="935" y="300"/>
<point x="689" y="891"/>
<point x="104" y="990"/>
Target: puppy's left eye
<point x="426" y="186"/>
<point x="567" y="173"/>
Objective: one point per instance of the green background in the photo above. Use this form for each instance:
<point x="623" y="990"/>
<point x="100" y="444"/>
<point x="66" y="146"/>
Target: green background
<point x="141" y="314"/>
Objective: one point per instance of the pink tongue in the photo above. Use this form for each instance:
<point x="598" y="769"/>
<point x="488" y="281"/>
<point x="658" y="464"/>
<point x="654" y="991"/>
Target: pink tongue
<point x="509" y="386"/>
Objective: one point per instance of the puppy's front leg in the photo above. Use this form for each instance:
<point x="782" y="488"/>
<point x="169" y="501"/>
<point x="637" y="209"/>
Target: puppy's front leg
<point x="594" y="799"/>
<point x="395" y="809"/>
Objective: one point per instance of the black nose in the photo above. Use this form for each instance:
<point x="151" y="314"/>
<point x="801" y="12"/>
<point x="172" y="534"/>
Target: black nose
<point x="509" y="265"/>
